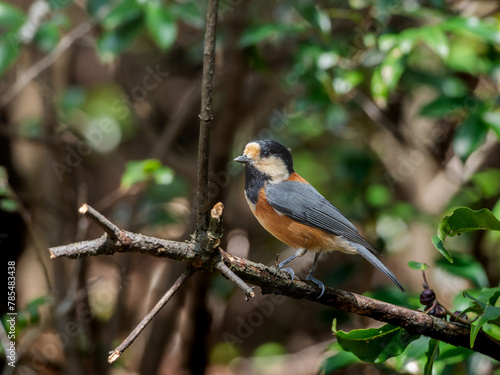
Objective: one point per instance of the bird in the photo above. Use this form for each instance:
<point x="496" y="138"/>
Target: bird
<point x="294" y="212"/>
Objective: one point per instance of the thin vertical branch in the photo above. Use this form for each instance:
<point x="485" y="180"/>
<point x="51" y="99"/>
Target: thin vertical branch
<point x="115" y="354"/>
<point x="206" y="117"/>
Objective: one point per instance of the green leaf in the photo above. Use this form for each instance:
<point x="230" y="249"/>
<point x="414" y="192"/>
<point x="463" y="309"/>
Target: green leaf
<point x="99" y="8"/>
<point x="58" y="4"/>
<point x="487" y="31"/>
<point x="9" y="205"/>
<point x="464" y="265"/>
<point x="469" y="136"/>
<point x="438" y="244"/>
<point x="436" y="40"/>
<point x="267" y="32"/>
<point x="224" y="353"/>
<point x="189" y="13"/>
<point x="489" y="182"/>
<point x="47" y="36"/>
<point x="415" y="351"/>
<point x="161" y="25"/>
<point x="124" y="12"/>
<point x="10" y="46"/>
<point x="11" y="18"/>
<point x="492" y="118"/>
<point x="337" y="361"/>
<point x="163" y="176"/>
<point x="408" y="38"/>
<point x="386" y="76"/>
<point x="453" y="354"/>
<point x="33" y="308"/>
<point x="442" y="107"/>
<point x="376" y="344"/>
<point x="312" y="14"/>
<point x="488" y="313"/>
<point x="417" y="266"/>
<point x="464" y="219"/>
<point x="431" y="355"/>
<point x="387" y="41"/>
<point x="113" y="42"/>
<point x="466" y="56"/>
<point x="143" y="171"/>
<point x="269" y="349"/>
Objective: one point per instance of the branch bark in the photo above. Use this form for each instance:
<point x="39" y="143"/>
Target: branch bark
<point x="272" y="280"/>
<point x="206" y="117"/>
<point x="137" y="243"/>
<point x="115" y="354"/>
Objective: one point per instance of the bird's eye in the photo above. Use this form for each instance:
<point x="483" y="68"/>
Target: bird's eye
<point x="266" y="154"/>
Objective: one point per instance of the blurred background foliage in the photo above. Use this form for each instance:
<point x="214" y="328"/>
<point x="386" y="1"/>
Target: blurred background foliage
<point x="391" y="109"/>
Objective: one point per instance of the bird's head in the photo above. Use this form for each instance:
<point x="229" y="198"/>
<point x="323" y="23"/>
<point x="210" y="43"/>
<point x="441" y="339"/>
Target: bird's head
<point x="269" y="158"/>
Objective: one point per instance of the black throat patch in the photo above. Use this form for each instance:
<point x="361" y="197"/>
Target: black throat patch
<point x="254" y="181"/>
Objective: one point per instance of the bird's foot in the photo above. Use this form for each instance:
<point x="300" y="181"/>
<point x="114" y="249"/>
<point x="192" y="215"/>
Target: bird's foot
<point x="318" y="283"/>
<point x="289" y="271"/>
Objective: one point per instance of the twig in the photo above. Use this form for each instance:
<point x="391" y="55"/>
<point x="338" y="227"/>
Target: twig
<point x="115" y="354"/>
<point x="206" y="117"/>
<point x="107" y="226"/>
<point x="37" y="68"/>
<point x="215" y="234"/>
<point x="249" y="293"/>
<point x="454" y="316"/>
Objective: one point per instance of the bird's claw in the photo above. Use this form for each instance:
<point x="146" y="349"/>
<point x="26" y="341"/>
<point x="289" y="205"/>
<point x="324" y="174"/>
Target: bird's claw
<point x="289" y="271"/>
<point x="318" y="283"/>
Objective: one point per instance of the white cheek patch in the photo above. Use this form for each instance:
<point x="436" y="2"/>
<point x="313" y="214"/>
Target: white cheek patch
<point x="275" y="168"/>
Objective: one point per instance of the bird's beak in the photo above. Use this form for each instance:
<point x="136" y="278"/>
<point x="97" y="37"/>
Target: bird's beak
<point x="242" y="159"/>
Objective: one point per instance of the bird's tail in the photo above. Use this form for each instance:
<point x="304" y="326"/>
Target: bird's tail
<point x="372" y="258"/>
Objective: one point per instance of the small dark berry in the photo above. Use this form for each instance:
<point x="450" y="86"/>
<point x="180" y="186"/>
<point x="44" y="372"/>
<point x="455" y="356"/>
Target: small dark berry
<point x="438" y="311"/>
<point x="427" y="297"/>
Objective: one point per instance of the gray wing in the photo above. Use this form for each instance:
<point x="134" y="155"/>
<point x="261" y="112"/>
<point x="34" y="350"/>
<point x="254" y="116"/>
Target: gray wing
<point x="303" y="203"/>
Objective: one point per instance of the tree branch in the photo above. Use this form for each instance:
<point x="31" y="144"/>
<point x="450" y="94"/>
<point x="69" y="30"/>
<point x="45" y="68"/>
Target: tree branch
<point x="115" y="354"/>
<point x="206" y="117"/>
<point x="138" y="243"/>
<point x="272" y="280"/>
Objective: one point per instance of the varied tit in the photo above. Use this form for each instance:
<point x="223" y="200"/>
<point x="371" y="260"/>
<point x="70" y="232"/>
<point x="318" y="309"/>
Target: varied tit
<point x="293" y="211"/>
